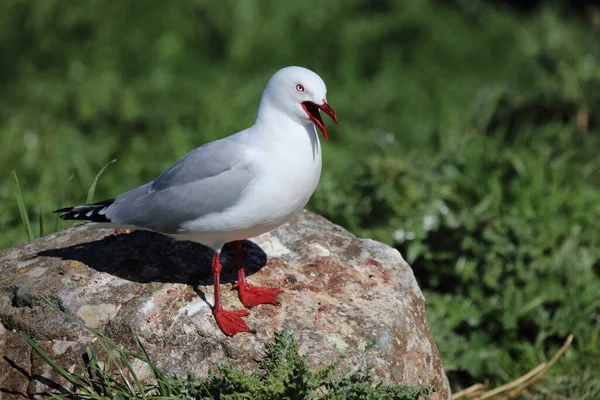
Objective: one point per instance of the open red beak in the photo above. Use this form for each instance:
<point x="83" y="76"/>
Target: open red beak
<point x="312" y="110"/>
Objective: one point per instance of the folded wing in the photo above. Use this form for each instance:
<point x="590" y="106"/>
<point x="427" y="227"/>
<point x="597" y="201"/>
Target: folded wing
<point x="209" y="179"/>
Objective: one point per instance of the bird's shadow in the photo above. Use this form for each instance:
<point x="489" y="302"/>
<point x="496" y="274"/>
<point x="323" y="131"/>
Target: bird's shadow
<point x="145" y="257"/>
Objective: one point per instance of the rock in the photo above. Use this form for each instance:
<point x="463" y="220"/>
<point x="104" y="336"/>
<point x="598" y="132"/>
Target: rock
<point x="340" y="292"/>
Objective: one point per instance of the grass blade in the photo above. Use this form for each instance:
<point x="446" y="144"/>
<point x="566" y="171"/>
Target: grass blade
<point x="86" y="378"/>
<point x="60" y="396"/>
<point x="90" y="196"/>
<point x="129" y="367"/>
<point x="163" y="389"/>
<point x="41" y="222"/>
<point x="108" y="346"/>
<point x="62" y="197"/>
<point x="95" y="373"/>
<point x="22" y="208"/>
<point x="40" y="352"/>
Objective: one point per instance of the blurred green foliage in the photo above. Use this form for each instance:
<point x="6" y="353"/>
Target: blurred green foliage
<point x="468" y="138"/>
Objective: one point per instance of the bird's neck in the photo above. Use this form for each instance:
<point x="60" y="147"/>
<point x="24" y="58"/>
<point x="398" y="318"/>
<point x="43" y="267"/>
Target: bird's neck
<point x="271" y="120"/>
<point x="285" y="134"/>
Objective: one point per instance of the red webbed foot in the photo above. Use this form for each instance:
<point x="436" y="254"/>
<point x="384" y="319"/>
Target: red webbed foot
<point x="251" y="296"/>
<point x="231" y="322"/>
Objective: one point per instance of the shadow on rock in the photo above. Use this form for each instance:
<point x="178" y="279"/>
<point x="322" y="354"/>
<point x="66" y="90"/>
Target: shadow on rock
<point x="58" y="388"/>
<point x="144" y="257"/>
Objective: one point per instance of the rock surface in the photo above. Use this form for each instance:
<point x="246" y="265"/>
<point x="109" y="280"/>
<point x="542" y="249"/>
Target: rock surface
<point x="340" y="292"/>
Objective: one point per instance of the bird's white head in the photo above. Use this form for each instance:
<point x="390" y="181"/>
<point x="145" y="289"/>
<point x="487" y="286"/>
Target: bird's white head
<point x="299" y="93"/>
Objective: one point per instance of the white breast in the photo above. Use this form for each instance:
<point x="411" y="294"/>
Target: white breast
<point x="287" y="168"/>
<point x="289" y="178"/>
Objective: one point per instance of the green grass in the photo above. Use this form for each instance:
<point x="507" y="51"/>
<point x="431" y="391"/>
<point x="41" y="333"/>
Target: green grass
<point x="23" y="209"/>
<point x="92" y="189"/>
<point x="468" y="139"/>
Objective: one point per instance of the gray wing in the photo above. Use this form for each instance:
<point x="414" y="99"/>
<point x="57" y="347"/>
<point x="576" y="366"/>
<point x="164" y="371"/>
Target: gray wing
<point x="203" y="162"/>
<point x="207" y="180"/>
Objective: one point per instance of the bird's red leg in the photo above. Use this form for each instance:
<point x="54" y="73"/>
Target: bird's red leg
<point x="251" y="296"/>
<point x="230" y="322"/>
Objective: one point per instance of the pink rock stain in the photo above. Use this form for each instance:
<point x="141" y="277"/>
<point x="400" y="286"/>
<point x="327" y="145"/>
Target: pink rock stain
<point x="325" y="308"/>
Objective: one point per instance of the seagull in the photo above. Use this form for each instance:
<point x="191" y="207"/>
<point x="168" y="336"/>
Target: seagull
<point x="234" y="188"/>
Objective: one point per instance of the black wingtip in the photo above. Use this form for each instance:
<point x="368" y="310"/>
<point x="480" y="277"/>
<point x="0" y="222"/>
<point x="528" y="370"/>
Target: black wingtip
<point x="90" y="213"/>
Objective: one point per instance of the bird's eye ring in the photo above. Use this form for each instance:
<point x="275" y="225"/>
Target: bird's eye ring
<point x="299" y="88"/>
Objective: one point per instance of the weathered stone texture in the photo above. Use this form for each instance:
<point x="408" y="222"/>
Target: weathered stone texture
<point x="340" y="292"/>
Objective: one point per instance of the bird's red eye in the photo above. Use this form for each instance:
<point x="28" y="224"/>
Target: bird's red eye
<point x="299" y="88"/>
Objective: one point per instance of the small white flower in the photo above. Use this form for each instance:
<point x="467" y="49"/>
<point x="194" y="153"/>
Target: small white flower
<point x="399" y="235"/>
<point x="430" y="222"/>
<point x="443" y="208"/>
